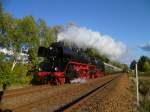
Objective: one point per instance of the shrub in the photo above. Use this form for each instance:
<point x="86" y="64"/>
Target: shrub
<point x="5" y="74"/>
<point x="20" y="74"/>
<point x="16" y="77"/>
<point x="145" y="106"/>
<point x="144" y="90"/>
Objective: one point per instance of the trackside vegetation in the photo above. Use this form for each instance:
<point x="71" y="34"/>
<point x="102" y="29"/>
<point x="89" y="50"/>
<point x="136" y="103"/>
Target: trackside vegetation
<point x="144" y="82"/>
<point x="143" y="66"/>
<point x="144" y="89"/>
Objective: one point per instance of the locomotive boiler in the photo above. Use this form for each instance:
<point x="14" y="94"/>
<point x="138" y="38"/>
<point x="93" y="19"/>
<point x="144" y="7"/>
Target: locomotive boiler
<point x="62" y="64"/>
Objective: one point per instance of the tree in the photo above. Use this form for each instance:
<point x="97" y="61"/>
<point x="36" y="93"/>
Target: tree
<point x="5" y="74"/>
<point x="146" y="67"/>
<point x="2" y="57"/>
<point x="8" y="34"/>
<point x="141" y="62"/>
<point x="29" y="34"/>
<point x="93" y="52"/>
<point x="6" y="25"/>
<point x="33" y="56"/>
<point x="29" y="31"/>
<point x="132" y="65"/>
<point x="46" y="36"/>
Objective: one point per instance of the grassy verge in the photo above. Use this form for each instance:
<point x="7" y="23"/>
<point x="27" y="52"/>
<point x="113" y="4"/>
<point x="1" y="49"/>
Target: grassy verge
<point x="144" y="74"/>
<point x="144" y="90"/>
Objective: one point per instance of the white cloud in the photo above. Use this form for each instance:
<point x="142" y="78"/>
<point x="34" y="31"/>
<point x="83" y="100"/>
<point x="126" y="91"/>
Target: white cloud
<point x="86" y="38"/>
<point x="146" y="47"/>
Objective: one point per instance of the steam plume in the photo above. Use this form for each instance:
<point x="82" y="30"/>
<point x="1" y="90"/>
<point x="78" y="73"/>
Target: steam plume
<point x="86" y="38"/>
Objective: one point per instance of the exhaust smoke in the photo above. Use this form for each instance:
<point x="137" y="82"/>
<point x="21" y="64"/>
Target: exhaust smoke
<point x="78" y="80"/>
<point x="86" y="38"/>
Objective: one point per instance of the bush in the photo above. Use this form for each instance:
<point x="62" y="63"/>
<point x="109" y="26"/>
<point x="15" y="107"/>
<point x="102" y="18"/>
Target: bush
<point x="16" y="77"/>
<point x="145" y="106"/>
<point x="5" y="74"/>
<point x="20" y="74"/>
<point x="144" y="90"/>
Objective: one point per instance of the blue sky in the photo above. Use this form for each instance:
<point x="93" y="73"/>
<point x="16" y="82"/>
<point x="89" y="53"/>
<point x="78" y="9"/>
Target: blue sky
<point x="125" y="20"/>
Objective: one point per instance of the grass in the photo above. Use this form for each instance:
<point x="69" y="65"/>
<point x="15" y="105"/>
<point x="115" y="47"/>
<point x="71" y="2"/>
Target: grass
<point x="144" y="74"/>
<point x="144" y="90"/>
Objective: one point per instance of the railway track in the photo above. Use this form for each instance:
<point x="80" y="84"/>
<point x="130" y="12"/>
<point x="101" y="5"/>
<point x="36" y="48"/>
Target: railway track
<point x="77" y="103"/>
<point x="54" y="98"/>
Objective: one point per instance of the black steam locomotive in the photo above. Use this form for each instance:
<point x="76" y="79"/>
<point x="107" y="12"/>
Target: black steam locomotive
<point x="62" y="64"/>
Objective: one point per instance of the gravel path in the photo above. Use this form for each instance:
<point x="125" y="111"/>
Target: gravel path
<point x="114" y="98"/>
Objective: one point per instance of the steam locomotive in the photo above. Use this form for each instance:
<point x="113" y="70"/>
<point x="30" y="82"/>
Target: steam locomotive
<point x="62" y="64"/>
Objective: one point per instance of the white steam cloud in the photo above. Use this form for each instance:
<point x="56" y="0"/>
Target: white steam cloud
<point x="78" y="80"/>
<point x="86" y="38"/>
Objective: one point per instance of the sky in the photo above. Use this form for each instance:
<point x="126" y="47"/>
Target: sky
<point x="127" y="21"/>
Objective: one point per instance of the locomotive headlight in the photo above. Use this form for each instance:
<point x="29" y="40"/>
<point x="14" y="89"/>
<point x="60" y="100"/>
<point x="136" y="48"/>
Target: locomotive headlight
<point x="50" y="48"/>
<point x="39" y="69"/>
<point x="56" y="69"/>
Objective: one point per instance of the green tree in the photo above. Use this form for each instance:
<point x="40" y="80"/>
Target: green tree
<point x="2" y="57"/>
<point x="5" y="74"/>
<point x="8" y="34"/>
<point x="46" y="36"/>
<point x="6" y="24"/>
<point x="54" y="31"/>
<point x="29" y="31"/>
<point x="141" y="62"/>
<point x="33" y="56"/>
<point x="132" y="65"/>
<point x="146" y="67"/>
<point x="94" y="53"/>
<point x="29" y="34"/>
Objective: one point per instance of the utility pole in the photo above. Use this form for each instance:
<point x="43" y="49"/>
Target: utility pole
<point x="137" y="84"/>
